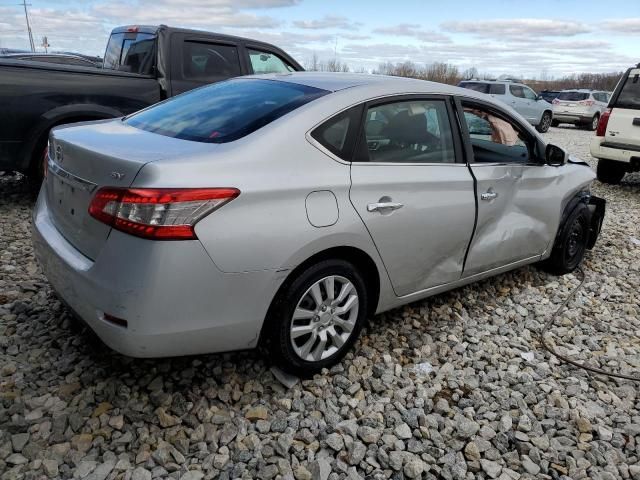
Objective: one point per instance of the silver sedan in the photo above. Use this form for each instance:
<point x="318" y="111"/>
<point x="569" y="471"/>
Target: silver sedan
<point x="286" y="210"/>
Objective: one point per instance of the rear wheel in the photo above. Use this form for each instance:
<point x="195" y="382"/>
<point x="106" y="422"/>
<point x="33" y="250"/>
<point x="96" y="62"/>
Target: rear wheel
<point x="545" y="122"/>
<point x="317" y="318"/>
<point x="555" y="123"/>
<point x="610" y="171"/>
<point x="593" y="126"/>
<point x="571" y="243"/>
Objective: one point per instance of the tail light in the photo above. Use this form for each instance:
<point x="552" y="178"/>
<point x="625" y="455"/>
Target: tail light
<point x="603" y="123"/>
<point x="158" y="213"/>
<point x="587" y="103"/>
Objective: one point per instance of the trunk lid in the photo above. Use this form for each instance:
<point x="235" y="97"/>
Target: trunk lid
<point x="85" y="157"/>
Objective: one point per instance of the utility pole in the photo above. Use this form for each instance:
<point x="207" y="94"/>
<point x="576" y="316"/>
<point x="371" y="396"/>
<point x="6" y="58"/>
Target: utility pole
<point x="45" y="44"/>
<point x="26" y="16"/>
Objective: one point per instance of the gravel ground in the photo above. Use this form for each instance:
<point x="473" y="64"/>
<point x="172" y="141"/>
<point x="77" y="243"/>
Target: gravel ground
<point x="455" y="387"/>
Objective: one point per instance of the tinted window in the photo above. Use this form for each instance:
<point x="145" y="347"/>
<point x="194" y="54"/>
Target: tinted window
<point x="494" y="139"/>
<point x="573" y="96"/>
<point x="130" y="52"/>
<point x="497" y="89"/>
<point x="338" y="133"/>
<point x="265" y="62"/>
<point x="224" y="111"/>
<point x="476" y="86"/>
<point x="209" y="61"/>
<point x="408" y="132"/>
<point x="517" y="91"/>
<point x="630" y="94"/>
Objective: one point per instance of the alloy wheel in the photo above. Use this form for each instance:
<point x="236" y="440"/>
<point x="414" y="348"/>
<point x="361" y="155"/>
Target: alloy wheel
<point x="324" y="318"/>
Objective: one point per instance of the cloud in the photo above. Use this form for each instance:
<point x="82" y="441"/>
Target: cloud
<point x="624" y="26"/>
<point x="413" y="30"/>
<point x="328" y="21"/>
<point x="517" y="28"/>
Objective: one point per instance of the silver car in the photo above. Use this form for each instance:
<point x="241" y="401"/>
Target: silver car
<point x="518" y="96"/>
<point x="286" y="210"/>
<point x="580" y="107"/>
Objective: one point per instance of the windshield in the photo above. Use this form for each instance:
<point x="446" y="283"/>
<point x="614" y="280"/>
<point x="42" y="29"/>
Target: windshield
<point x="225" y="111"/>
<point x="130" y="52"/>
<point x="630" y="94"/>
<point x="573" y="96"/>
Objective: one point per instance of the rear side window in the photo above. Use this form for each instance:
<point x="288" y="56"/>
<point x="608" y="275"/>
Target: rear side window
<point x="338" y="134"/>
<point x="497" y="89"/>
<point x="209" y="61"/>
<point x="266" y="62"/>
<point x="573" y="96"/>
<point x="225" y="111"/>
<point x="476" y="86"/>
<point x="630" y="93"/>
<point x="130" y="52"/>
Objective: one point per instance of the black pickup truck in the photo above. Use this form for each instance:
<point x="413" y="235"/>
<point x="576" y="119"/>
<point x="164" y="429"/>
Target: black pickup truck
<point x="142" y="65"/>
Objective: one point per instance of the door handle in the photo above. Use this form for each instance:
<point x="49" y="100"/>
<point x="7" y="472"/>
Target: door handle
<point x="384" y="206"/>
<point x="489" y="195"/>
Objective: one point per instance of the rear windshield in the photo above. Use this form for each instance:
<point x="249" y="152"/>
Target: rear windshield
<point x="131" y="52"/>
<point x="573" y="96"/>
<point x="630" y="94"/>
<point x="225" y="111"/>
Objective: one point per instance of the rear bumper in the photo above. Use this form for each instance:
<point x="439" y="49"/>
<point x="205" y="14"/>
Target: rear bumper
<point x="599" y="149"/>
<point x="174" y="299"/>
<point x="572" y="117"/>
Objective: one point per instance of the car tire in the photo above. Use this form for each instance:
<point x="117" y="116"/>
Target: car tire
<point x="555" y="123"/>
<point x="593" y="125"/>
<point x="610" y="171"/>
<point x="571" y="242"/>
<point x="545" y="122"/>
<point x="303" y="353"/>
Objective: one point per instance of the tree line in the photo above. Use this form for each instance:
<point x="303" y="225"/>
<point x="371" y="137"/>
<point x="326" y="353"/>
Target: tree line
<point x="452" y="75"/>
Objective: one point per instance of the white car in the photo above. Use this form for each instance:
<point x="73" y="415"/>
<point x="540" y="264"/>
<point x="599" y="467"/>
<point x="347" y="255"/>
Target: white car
<point x="583" y="108"/>
<point x="617" y="141"/>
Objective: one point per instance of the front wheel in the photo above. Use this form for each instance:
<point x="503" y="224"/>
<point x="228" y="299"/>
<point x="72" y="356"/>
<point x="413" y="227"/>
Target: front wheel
<point x="545" y="122"/>
<point x="571" y="244"/>
<point x="593" y="125"/>
<point x="316" y="319"/>
<point x="610" y="171"/>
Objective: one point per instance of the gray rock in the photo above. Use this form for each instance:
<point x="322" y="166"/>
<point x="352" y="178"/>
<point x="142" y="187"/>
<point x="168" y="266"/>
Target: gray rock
<point x="320" y="469"/>
<point x="403" y="431"/>
<point x="491" y="468"/>
<point x="529" y="466"/>
<point x="141" y="474"/>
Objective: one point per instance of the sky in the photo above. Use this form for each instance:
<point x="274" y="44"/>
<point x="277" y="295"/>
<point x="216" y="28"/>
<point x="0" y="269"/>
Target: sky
<point x="541" y="39"/>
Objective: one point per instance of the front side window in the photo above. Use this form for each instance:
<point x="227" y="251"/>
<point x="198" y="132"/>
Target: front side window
<point x="529" y="94"/>
<point x="209" y="61"/>
<point x="494" y="138"/>
<point x="225" y="111"/>
<point x="266" y="62"/>
<point x="414" y="131"/>
<point x="517" y="91"/>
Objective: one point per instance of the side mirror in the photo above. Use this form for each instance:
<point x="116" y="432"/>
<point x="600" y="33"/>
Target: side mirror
<point x="555" y="156"/>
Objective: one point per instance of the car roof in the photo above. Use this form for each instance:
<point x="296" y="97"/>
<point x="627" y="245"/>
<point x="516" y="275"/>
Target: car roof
<point x="334" y="82"/>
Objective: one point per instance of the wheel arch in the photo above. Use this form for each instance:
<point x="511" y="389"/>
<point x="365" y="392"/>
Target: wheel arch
<point x="60" y="116"/>
<point x="356" y="256"/>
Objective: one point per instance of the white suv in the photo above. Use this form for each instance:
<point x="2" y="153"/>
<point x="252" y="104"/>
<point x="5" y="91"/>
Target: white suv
<point x="521" y="98"/>
<point x="617" y="141"/>
<point x="580" y="107"/>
